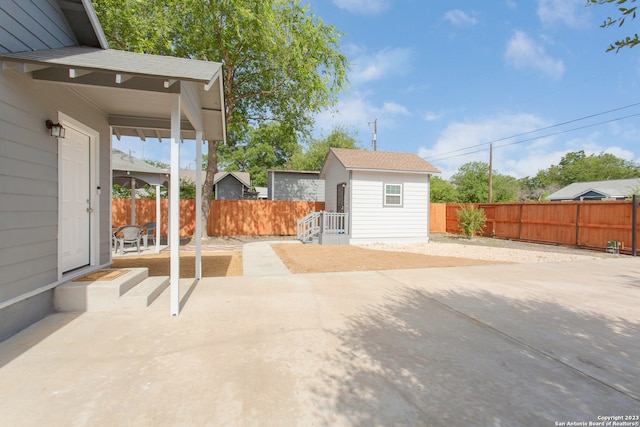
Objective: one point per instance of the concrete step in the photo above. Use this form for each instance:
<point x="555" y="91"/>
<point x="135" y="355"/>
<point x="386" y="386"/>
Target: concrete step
<point x="109" y="294"/>
<point x="145" y="292"/>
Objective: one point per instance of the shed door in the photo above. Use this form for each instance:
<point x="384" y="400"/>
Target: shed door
<point x="76" y="203"/>
<point x="340" y="197"/>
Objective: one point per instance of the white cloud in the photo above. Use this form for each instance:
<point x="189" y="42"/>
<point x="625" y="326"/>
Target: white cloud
<point x="357" y="112"/>
<point x="363" y="7"/>
<point x="431" y="116"/>
<point x="463" y="142"/>
<point x="571" y="13"/>
<point x="448" y="152"/>
<point x="376" y="66"/>
<point x="394" y="109"/>
<point x="523" y="52"/>
<point x="460" y="18"/>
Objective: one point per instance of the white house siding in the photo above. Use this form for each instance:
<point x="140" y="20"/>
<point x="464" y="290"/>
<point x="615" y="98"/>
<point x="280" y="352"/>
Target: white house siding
<point x="335" y="174"/>
<point x="372" y="222"/>
<point x="29" y="193"/>
<point x="33" y="25"/>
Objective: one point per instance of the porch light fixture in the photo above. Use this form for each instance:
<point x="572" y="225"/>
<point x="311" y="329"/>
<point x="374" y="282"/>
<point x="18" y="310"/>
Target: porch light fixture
<point x="56" y="129"/>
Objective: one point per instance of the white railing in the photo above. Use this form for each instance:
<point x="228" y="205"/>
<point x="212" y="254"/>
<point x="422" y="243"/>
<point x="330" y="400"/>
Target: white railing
<point x="321" y="222"/>
<point x="334" y="223"/>
<point x="308" y="227"/>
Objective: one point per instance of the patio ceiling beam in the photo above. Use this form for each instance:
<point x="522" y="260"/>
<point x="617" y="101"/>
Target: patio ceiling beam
<point x="147" y="123"/>
<point x="191" y="104"/>
<point x="121" y="78"/>
<point x="141" y="134"/>
<point x="75" y="73"/>
<point x="101" y="78"/>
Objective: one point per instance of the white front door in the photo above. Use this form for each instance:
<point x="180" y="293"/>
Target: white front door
<point x="76" y="203"/>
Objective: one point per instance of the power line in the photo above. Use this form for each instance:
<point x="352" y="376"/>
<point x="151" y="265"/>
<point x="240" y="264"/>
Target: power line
<point x="527" y="133"/>
<point x="540" y="137"/>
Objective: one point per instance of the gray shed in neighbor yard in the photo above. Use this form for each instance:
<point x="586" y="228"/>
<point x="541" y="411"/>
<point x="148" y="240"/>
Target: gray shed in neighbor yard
<point x="295" y="185"/>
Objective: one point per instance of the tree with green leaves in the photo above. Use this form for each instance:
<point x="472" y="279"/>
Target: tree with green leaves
<point x="312" y="158"/>
<point x="625" y="10"/>
<point x="576" y="166"/>
<point x="268" y="146"/>
<point x="280" y="62"/>
<point x="442" y="191"/>
<point x="472" y="182"/>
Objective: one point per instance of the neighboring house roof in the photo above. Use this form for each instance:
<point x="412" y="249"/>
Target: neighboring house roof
<point x="381" y="161"/>
<point x="263" y="192"/>
<point x="121" y="161"/>
<point x="243" y="177"/>
<point x="619" y="188"/>
<point x="124" y="167"/>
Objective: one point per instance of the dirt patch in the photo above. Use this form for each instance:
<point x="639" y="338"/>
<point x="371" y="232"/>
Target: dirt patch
<point x="216" y="264"/>
<point x="325" y="259"/>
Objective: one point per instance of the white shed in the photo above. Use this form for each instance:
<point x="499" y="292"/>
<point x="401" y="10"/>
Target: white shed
<point x="385" y="195"/>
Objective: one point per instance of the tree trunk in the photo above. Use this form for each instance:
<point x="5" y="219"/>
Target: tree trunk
<point x="207" y="186"/>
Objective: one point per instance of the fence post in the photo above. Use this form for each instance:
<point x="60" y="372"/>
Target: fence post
<point x="578" y="224"/>
<point x="634" y="223"/>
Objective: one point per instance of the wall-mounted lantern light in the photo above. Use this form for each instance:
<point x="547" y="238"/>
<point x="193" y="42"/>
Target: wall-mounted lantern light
<point x="56" y="129"/>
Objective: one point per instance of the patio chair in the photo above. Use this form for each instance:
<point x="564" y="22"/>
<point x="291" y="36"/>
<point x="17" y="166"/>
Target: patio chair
<point x="130" y="234"/>
<point x="114" y="238"/>
<point x="149" y="232"/>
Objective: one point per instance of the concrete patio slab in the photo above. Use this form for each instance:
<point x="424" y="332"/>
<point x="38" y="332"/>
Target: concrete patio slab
<point x="502" y="345"/>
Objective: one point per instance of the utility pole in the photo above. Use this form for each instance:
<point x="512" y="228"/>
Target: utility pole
<point x="375" y="134"/>
<point x="490" y="173"/>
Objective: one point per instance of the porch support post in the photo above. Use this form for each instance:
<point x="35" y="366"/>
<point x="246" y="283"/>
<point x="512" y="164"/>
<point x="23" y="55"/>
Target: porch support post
<point x="198" y="231"/>
<point x="133" y="201"/>
<point x="158" y="218"/>
<point x="174" y="205"/>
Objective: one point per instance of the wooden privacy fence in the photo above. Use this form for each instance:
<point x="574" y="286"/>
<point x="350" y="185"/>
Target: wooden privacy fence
<point x="438" y="218"/>
<point x="226" y="218"/>
<point x="583" y="224"/>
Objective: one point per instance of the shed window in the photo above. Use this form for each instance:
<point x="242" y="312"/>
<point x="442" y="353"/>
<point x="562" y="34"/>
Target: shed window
<point x="393" y="194"/>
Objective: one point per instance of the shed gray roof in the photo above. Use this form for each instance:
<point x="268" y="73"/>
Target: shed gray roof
<point x="382" y="161"/>
<point x="611" y="189"/>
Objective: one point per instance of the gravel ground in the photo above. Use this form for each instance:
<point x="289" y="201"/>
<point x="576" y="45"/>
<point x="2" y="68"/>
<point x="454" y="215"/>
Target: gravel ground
<point x="492" y="250"/>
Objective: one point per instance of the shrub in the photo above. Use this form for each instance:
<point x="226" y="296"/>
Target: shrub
<point x="471" y="220"/>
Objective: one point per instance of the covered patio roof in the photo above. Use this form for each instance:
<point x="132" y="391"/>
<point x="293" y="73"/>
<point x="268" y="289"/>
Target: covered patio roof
<point x="134" y="88"/>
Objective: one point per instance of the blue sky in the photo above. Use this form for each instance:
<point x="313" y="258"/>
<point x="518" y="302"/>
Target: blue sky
<point x="440" y="76"/>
